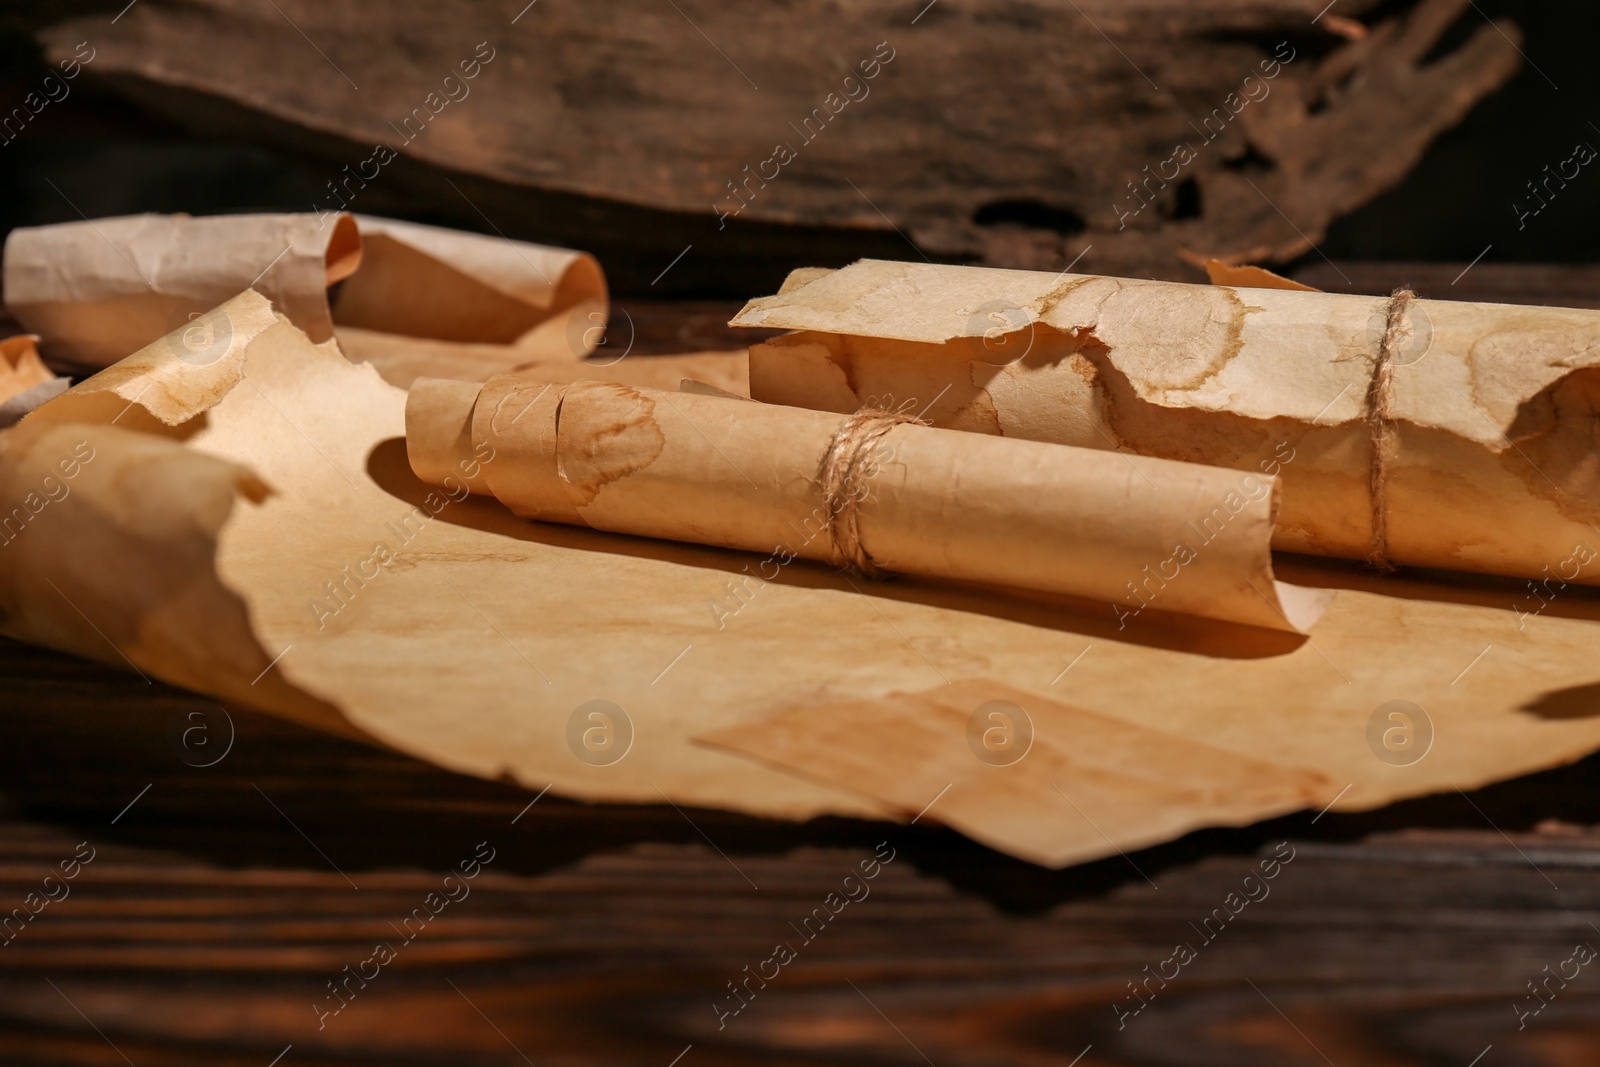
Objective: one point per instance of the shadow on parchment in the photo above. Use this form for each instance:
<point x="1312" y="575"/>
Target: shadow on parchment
<point x="1440" y="586"/>
<point x="389" y="468"/>
<point x="1576" y="702"/>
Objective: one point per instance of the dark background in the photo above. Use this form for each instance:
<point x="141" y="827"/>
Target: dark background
<point x="118" y="160"/>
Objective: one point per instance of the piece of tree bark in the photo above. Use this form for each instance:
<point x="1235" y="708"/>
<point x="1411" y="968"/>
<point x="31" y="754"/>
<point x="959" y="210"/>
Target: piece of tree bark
<point x="1017" y="134"/>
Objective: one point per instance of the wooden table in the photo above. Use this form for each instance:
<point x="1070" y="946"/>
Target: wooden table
<point x="221" y="902"/>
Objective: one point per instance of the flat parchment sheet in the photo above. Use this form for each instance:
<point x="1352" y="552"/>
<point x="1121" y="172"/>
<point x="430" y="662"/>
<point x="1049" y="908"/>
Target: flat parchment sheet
<point x="722" y="471"/>
<point x="256" y="534"/>
<point x="999" y="764"/>
<point x="101" y="289"/>
<point x="1469" y="428"/>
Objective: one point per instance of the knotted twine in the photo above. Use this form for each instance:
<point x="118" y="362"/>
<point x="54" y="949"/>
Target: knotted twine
<point x="1381" y="426"/>
<point x="843" y="475"/>
<point x="845" y="471"/>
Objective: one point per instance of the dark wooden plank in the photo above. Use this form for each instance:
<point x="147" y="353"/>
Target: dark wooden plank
<point x="665" y="327"/>
<point x="221" y="903"/>
<point x="1543" y="284"/>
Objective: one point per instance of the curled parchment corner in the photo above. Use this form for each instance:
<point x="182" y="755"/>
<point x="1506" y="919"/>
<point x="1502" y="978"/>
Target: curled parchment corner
<point x="1248" y="276"/>
<point x="25" y="382"/>
<point x="154" y="602"/>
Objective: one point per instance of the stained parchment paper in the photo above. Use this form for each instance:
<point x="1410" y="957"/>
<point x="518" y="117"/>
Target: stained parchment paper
<point x="937" y="503"/>
<point x="1469" y="428"/>
<point x="250" y="528"/>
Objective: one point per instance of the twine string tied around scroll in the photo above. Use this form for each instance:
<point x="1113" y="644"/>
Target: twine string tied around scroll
<point x="1380" y="425"/>
<point x="844" y="475"/>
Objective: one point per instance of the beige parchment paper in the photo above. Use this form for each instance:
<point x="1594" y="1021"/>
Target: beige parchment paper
<point x="25" y="382"/>
<point x="1248" y="276"/>
<point x="1001" y="776"/>
<point x="725" y="372"/>
<point x="402" y="360"/>
<point x="100" y="289"/>
<point x="1487" y="412"/>
<point x="432" y="282"/>
<point x="937" y="503"/>
<point x="251" y="528"/>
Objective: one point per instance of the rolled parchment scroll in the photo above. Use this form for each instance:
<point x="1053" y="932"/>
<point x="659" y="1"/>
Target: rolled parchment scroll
<point x="873" y="491"/>
<point x="101" y="289"/>
<point x="1422" y="432"/>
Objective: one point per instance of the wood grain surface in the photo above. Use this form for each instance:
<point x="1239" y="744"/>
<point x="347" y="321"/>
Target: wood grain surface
<point x="222" y="900"/>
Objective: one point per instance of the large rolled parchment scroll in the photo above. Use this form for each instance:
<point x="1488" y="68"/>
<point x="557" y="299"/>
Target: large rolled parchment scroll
<point x="1404" y="431"/>
<point x="871" y="491"/>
